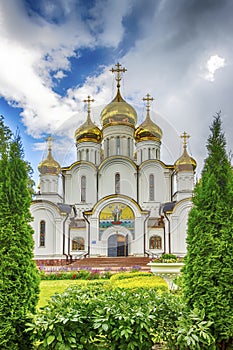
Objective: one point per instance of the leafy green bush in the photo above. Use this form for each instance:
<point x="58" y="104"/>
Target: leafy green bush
<point x="98" y="315"/>
<point x="194" y="332"/>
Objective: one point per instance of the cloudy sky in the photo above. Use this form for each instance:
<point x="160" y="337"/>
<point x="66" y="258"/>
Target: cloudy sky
<point x="54" y="53"/>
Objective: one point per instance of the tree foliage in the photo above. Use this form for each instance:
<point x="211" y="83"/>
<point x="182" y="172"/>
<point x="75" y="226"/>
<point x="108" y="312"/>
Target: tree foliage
<point x="19" y="281"/>
<point x="208" y="271"/>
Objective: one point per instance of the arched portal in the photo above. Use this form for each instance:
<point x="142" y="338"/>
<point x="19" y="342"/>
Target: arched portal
<point x="118" y="245"/>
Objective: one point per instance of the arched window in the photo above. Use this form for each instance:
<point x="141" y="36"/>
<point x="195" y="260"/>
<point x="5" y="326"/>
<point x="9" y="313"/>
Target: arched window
<point x="42" y="234"/>
<point x="155" y="242"/>
<point x="87" y="155"/>
<point x="108" y="148"/>
<point x="117" y="183"/>
<point x="78" y="243"/>
<point x="118" y="145"/>
<point x="151" y="187"/>
<point x="83" y="189"/>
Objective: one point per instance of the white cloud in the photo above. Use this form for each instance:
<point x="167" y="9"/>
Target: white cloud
<point x="214" y="63"/>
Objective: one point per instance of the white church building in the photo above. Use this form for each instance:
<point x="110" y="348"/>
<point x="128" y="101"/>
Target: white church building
<point x="118" y="198"/>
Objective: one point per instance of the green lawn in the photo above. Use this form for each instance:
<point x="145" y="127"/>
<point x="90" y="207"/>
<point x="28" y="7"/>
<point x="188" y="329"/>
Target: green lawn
<point x="122" y="280"/>
<point x="50" y="287"/>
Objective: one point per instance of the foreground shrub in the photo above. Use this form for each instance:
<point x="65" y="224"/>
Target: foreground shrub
<point x="194" y="332"/>
<point x="94" y="315"/>
<point x="99" y="316"/>
<point x="66" y="322"/>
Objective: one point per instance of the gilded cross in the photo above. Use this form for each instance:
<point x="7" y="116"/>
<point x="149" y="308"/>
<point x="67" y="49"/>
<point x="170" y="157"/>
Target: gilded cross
<point x="185" y="137"/>
<point x="118" y="70"/>
<point x="49" y="141"/>
<point x="148" y="98"/>
<point x="88" y="101"/>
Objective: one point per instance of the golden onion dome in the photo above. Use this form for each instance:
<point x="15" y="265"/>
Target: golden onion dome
<point x="88" y="131"/>
<point x="49" y="166"/>
<point x="148" y="130"/>
<point x="185" y="162"/>
<point x="118" y="112"/>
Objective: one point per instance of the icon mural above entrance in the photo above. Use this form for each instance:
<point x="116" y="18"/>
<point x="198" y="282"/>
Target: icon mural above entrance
<point x="116" y="214"/>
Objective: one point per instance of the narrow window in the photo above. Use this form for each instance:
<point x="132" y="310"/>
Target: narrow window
<point x="42" y="233"/>
<point x="87" y="155"/>
<point x="151" y="188"/>
<point x="157" y="154"/>
<point x="117" y="183"/>
<point x="128" y="147"/>
<point x="83" y="189"/>
<point x="108" y="148"/>
<point x="155" y="242"/>
<point x="118" y="145"/>
<point x="78" y="243"/>
<point x="149" y="153"/>
<point x="95" y="157"/>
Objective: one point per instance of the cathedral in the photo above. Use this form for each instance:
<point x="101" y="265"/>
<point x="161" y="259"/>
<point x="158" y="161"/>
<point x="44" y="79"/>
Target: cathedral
<point x="118" y="198"/>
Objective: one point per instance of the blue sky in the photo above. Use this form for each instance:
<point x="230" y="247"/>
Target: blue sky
<point x="54" y="53"/>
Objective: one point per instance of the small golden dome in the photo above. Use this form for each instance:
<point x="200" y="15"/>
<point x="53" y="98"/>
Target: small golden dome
<point x="185" y="162"/>
<point x="88" y="131"/>
<point x="118" y="112"/>
<point x="49" y="165"/>
<point x="148" y="130"/>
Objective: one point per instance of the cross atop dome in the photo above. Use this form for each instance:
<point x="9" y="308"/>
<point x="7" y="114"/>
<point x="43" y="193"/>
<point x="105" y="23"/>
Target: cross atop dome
<point x="88" y="101"/>
<point x="50" y="142"/>
<point x="185" y="138"/>
<point x="118" y="70"/>
<point x="148" y="98"/>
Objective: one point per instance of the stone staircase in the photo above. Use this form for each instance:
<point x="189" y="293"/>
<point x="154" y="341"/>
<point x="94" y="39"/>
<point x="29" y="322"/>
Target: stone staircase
<point x="116" y="263"/>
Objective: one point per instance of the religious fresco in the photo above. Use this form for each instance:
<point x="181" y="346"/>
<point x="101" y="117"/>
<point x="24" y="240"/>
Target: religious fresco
<point x="116" y="214"/>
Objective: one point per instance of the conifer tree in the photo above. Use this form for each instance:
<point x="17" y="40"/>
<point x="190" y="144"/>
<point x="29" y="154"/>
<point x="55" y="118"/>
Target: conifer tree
<point x="208" y="271"/>
<point x="19" y="281"/>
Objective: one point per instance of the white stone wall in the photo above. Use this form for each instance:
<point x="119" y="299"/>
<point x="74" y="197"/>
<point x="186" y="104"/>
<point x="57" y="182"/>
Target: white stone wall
<point x="53" y="230"/>
<point x="162" y="185"/>
<point x="128" y="177"/>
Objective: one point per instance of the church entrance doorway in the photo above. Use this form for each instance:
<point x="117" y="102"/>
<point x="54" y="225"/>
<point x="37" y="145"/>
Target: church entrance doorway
<point x="118" y="245"/>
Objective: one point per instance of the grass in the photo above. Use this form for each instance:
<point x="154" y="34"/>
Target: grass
<point x="124" y="280"/>
<point x="48" y="288"/>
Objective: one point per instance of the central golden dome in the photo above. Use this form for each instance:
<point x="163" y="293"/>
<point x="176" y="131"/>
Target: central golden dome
<point x="118" y="112"/>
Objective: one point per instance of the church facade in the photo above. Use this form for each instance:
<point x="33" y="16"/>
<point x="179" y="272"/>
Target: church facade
<point x="118" y="198"/>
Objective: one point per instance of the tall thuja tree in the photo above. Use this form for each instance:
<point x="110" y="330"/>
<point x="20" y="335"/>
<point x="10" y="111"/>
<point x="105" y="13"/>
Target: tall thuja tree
<point x="208" y="271"/>
<point x="19" y="281"/>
